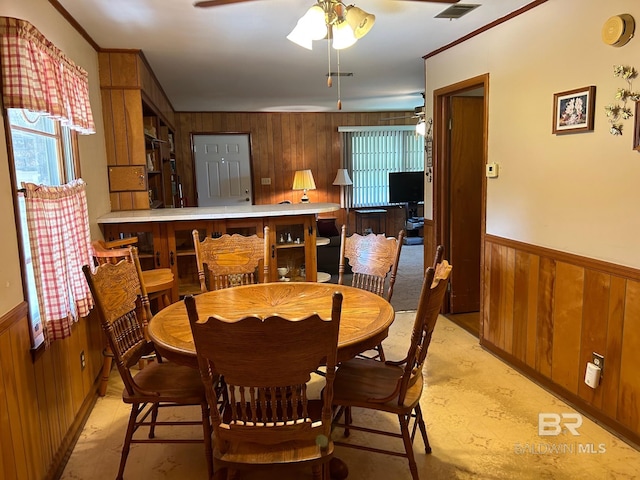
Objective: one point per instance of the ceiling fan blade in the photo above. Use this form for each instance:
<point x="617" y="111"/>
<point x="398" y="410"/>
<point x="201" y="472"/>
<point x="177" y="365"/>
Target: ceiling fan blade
<point x="216" y="3"/>
<point x="437" y="1"/>
<point x="398" y="118"/>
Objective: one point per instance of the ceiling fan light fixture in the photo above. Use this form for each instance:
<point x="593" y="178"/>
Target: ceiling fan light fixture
<point x="300" y="36"/>
<point x="343" y="36"/>
<point x="359" y="21"/>
<point x="315" y="23"/>
<point x="339" y="24"/>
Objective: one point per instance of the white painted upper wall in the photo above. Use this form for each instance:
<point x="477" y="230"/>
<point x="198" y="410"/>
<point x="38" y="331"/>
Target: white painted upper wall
<point x="577" y="193"/>
<point x="92" y="147"/>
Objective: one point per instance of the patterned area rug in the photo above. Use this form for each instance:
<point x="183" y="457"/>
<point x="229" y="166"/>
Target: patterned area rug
<point x="481" y="415"/>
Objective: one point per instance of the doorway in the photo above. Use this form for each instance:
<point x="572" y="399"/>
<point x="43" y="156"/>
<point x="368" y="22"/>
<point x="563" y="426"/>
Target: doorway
<point x="222" y="169"/>
<point x="460" y="152"/>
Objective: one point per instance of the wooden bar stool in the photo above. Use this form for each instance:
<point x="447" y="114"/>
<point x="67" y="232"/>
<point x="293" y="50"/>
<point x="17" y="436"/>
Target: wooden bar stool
<point x="159" y="283"/>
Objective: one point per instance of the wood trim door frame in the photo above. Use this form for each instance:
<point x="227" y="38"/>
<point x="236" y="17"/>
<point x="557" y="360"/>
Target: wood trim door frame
<point x="441" y="164"/>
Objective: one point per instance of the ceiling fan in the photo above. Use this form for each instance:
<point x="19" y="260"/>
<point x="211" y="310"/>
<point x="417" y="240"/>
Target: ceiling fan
<point x="418" y="112"/>
<point x="216" y="3"/>
<point x="332" y="20"/>
<point x="422" y="126"/>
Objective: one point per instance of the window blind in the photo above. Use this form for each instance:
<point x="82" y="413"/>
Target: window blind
<point x="371" y="153"/>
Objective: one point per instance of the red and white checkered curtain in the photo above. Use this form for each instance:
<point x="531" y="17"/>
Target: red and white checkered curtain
<point x="58" y="225"/>
<point x="37" y="76"/>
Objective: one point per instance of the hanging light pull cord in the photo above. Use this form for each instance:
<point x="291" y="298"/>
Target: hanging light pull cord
<point x="329" y="79"/>
<point x="339" y="100"/>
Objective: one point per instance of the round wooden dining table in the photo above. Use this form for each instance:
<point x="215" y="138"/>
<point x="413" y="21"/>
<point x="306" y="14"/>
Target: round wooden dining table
<point x="364" y="321"/>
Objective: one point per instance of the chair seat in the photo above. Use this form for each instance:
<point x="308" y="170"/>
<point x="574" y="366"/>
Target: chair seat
<point x="172" y="383"/>
<point x="157" y="280"/>
<point x="280" y="454"/>
<point x="359" y="382"/>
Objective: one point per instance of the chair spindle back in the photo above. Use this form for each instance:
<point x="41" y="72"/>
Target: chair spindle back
<point x="231" y="260"/>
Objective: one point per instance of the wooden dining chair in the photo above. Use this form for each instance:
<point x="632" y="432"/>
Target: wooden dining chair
<point x="374" y="261"/>
<point x="394" y="386"/>
<point x="231" y="260"/>
<point x="267" y="364"/>
<point x="119" y="296"/>
<point x="438" y="256"/>
<point x="158" y="281"/>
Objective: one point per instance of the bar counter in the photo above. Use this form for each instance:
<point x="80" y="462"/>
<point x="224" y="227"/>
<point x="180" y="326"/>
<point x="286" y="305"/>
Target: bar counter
<point x="217" y="213"/>
<point x="165" y="237"/>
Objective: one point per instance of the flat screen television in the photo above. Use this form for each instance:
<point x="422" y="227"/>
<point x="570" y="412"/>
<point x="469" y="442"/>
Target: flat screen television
<point x="406" y="187"/>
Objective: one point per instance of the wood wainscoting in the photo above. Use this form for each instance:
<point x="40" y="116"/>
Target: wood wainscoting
<point x="546" y="312"/>
<point x="44" y="402"/>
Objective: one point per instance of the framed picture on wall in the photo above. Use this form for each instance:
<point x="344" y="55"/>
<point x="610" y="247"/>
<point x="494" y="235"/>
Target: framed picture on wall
<point x="636" y="128"/>
<point x="573" y="110"/>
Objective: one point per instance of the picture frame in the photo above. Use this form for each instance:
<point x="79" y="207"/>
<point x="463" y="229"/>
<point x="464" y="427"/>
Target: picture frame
<point x="636" y="128"/>
<point x="574" y="110"/>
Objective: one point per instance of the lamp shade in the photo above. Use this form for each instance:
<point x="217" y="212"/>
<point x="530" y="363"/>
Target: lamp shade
<point x="342" y="177"/>
<point x="312" y="26"/>
<point x="299" y="36"/>
<point x="343" y="36"/>
<point x="421" y="128"/>
<point x="303" y="180"/>
<point x="315" y="23"/>
<point x="359" y="21"/>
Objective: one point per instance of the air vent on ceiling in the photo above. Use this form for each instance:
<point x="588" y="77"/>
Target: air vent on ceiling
<point x="341" y="74"/>
<point x="456" y="11"/>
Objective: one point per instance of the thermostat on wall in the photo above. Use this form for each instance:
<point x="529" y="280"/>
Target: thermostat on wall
<point x="492" y="170"/>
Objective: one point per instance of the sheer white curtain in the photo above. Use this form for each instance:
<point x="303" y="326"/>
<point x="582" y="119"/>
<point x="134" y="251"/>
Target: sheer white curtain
<point x="371" y="153"/>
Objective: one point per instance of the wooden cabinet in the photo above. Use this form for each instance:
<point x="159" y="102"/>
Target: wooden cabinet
<point x="152" y="245"/>
<point x="165" y="237"/>
<point x="293" y="246"/>
<point x="170" y="245"/>
<point x="138" y="122"/>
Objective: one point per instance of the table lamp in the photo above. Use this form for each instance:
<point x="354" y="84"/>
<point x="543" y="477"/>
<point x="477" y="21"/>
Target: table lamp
<point x="303" y="180"/>
<point x="343" y="179"/>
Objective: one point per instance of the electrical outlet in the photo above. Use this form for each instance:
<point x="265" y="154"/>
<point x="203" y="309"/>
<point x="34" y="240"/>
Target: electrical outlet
<point x="83" y="362"/>
<point x="598" y="360"/>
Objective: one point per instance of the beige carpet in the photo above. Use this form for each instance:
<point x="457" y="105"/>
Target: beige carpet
<point x="482" y="419"/>
<point x="408" y="284"/>
<point x="408" y="280"/>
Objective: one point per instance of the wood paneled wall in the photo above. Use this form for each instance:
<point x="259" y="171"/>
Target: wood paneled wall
<point x="43" y="402"/>
<point x="129" y="69"/>
<point x="546" y="312"/>
<point x="129" y="89"/>
<point x="281" y="143"/>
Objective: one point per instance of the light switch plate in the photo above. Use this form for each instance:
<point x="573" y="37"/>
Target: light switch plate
<point x="492" y="170"/>
<point x="265" y="181"/>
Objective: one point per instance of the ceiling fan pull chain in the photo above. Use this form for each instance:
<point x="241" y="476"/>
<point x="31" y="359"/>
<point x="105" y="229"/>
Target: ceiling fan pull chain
<point x="329" y="79"/>
<point x="339" y="99"/>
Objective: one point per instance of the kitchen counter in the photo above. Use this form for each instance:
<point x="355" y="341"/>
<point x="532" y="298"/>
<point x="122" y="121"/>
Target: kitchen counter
<point x="165" y="237"/>
<point x="217" y="213"/>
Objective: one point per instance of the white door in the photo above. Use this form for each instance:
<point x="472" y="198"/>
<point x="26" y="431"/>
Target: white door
<point x="223" y="171"/>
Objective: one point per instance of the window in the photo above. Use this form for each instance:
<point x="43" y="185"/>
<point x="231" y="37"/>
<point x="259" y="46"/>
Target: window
<point x="371" y="153"/>
<point x="43" y="153"/>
